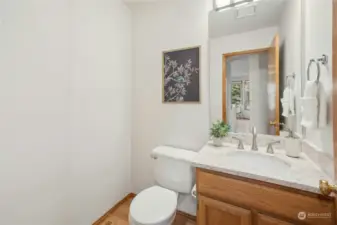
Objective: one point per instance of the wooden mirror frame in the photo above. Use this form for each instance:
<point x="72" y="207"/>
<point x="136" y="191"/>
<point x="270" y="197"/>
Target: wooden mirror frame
<point x="334" y="90"/>
<point x="224" y="75"/>
<point x="271" y="51"/>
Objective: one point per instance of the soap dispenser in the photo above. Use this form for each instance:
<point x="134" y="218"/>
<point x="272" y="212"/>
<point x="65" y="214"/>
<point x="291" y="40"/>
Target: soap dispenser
<point x="292" y="144"/>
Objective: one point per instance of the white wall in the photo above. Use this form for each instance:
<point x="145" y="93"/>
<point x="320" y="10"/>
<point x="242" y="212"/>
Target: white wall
<point x="34" y="96"/>
<point x="261" y="38"/>
<point x="291" y="61"/>
<point x="158" y="27"/>
<point x="100" y="107"/>
<point x="65" y="102"/>
<point x="318" y="41"/>
<point x="260" y="106"/>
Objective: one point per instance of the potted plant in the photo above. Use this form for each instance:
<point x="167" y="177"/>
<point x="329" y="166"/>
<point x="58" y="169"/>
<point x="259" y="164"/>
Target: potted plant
<point x="219" y="130"/>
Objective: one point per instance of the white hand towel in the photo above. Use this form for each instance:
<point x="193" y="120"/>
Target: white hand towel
<point x="314" y="106"/>
<point x="323" y="106"/>
<point x="285" y="107"/>
<point x="288" y="102"/>
<point x="309" y="112"/>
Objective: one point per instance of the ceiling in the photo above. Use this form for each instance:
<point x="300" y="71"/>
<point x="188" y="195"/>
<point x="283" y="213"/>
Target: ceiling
<point x="268" y="13"/>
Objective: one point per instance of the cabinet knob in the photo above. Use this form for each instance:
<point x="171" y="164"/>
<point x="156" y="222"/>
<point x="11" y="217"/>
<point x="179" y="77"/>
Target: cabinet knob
<point x="326" y="188"/>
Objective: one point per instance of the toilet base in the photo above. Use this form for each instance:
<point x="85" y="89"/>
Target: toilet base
<point x="167" y="222"/>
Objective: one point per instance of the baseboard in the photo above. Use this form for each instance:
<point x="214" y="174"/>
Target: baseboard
<point x="127" y="197"/>
<point x="102" y="218"/>
<point x="189" y="216"/>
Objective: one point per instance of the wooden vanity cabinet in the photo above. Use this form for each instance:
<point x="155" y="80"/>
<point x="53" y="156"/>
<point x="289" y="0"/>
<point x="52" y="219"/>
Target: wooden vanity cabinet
<point x="216" y="212"/>
<point x="267" y="220"/>
<point x="225" y="199"/>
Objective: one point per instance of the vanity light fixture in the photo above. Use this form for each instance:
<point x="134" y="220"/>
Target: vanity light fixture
<point x="221" y="5"/>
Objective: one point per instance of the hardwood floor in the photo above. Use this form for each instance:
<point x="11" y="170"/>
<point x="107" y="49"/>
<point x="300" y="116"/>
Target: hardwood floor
<point x="121" y="216"/>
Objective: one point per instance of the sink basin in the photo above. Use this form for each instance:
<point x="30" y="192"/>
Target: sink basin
<point x="257" y="163"/>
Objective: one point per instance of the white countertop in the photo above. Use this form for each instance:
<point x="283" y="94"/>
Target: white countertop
<point x="301" y="173"/>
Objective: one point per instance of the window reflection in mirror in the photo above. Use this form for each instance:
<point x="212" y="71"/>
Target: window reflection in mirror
<point x="241" y="71"/>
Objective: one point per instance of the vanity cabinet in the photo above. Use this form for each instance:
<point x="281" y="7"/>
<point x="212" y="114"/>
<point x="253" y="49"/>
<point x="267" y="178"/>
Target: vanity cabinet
<point x="216" y="212"/>
<point x="267" y="220"/>
<point x="225" y="199"/>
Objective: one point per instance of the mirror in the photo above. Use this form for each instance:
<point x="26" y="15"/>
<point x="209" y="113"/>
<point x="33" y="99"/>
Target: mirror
<point x="264" y="57"/>
<point x="255" y="54"/>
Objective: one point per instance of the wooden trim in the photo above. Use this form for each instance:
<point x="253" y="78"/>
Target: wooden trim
<point x="224" y="75"/>
<point x="334" y="94"/>
<point x="246" y="52"/>
<point x="131" y="196"/>
<point x="102" y="218"/>
<point x="334" y="81"/>
<point x="263" y="183"/>
<point x="266" y="200"/>
<point x="275" y="53"/>
<point x="276" y="45"/>
<point x="224" y="89"/>
<point x="186" y="215"/>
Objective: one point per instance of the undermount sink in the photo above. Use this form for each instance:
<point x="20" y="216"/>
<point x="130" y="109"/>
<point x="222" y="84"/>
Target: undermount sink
<point x="258" y="163"/>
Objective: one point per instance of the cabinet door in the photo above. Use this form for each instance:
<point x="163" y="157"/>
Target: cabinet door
<point x="213" y="212"/>
<point x="266" y="220"/>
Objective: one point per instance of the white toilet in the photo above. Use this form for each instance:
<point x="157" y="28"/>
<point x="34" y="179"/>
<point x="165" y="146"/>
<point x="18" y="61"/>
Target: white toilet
<point x="173" y="173"/>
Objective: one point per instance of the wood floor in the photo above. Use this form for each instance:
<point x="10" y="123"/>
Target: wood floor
<point x="121" y="214"/>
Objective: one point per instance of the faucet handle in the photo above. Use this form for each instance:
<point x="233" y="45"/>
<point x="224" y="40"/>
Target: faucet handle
<point x="240" y="145"/>
<point x="270" y="149"/>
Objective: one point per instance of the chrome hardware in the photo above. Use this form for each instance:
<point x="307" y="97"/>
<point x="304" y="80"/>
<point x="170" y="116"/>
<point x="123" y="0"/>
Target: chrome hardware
<point x="293" y="75"/>
<point x="270" y="149"/>
<point x="326" y="188"/>
<point x="324" y="59"/>
<point x="254" y="144"/>
<point x="240" y="145"/>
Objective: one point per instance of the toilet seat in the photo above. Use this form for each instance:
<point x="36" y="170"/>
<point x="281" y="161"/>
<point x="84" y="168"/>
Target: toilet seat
<point x="153" y="206"/>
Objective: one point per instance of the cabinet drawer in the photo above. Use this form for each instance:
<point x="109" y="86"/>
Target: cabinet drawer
<point x="262" y="198"/>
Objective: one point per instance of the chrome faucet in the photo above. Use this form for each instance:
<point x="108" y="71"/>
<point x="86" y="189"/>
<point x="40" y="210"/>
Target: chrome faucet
<point x="254" y="144"/>
<point x="270" y="149"/>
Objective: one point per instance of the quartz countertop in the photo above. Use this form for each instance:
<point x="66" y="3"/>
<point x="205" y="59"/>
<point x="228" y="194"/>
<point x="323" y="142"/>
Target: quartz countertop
<point x="302" y="173"/>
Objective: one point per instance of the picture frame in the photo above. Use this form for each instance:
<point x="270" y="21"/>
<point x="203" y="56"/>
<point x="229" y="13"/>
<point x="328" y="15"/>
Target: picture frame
<point x="181" y="75"/>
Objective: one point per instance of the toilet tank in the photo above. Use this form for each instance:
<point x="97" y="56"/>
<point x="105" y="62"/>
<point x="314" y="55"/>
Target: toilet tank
<point x="172" y="168"/>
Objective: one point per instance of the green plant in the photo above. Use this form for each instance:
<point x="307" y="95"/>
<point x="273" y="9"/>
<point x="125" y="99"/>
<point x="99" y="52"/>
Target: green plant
<point x="220" y="129"/>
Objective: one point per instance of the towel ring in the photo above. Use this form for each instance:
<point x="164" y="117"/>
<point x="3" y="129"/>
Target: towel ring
<point x="318" y="70"/>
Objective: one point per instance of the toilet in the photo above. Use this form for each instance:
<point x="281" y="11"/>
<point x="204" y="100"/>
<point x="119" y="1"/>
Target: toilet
<point x="174" y="175"/>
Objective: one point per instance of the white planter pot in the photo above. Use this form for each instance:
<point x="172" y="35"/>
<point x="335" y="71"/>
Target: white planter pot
<point x="217" y="142"/>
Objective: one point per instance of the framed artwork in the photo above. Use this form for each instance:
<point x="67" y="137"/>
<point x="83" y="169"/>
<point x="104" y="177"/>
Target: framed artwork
<point x="181" y="75"/>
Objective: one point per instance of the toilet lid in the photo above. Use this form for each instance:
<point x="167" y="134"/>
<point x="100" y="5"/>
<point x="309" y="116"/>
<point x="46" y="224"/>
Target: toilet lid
<point x="153" y="205"/>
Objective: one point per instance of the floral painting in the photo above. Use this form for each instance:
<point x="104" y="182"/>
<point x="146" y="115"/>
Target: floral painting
<point x="181" y="75"/>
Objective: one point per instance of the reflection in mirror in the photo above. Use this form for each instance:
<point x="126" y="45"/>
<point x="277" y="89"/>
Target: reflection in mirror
<point x="249" y="105"/>
<point x="253" y="48"/>
<point x="317" y="41"/>
<point x="288" y="38"/>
